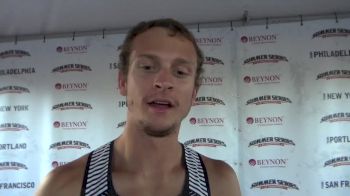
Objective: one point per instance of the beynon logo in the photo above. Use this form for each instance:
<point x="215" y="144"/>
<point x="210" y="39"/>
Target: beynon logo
<point x="13" y="90"/>
<point x="331" y="32"/>
<point x="72" y="86"/>
<point x="268" y="163"/>
<point x="208" y="142"/>
<point x="12" y="166"/>
<point x="274" y="183"/>
<point x="252" y="162"/>
<point x="263" y="79"/>
<point x="211" y="81"/>
<point x="78" y="49"/>
<point x="212" y="61"/>
<point x="338" y="161"/>
<point x="71" y="68"/>
<point x="13" y="127"/>
<point x="265" y="121"/>
<point x="259" y="39"/>
<point x="13" y="53"/>
<point x="265" y="58"/>
<point x="72" y="105"/>
<point x="334" y="74"/>
<point x="55" y="164"/>
<point x="69" y="144"/>
<point x="268" y="99"/>
<point x="336" y="117"/>
<point x="208" y="101"/>
<point x="209" y="41"/>
<point x="70" y="125"/>
<point x="271" y="141"/>
<point x="214" y="121"/>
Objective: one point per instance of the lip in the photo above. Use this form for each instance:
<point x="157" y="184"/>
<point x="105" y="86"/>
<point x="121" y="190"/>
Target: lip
<point x="165" y="100"/>
<point x="159" y="108"/>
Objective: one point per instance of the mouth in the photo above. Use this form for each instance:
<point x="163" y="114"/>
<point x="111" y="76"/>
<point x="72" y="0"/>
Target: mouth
<point x="161" y="104"/>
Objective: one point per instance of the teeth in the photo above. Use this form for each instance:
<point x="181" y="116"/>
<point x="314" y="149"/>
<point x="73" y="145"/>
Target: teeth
<point x="161" y="102"/>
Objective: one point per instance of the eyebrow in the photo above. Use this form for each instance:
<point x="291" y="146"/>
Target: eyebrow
<point x="149" y="56"/>
<point x="157" y="59"/>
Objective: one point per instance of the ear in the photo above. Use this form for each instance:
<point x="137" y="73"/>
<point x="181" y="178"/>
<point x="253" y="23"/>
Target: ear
<point x="122" y="83"/>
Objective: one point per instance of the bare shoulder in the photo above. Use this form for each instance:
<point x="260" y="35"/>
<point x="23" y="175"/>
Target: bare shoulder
<point x="222" y="178"/>
<point x="64" y="180"/>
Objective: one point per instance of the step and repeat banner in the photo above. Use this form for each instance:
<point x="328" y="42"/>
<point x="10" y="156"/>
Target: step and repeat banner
<point x="274" y="103"/>
<point x="294" y="102"/>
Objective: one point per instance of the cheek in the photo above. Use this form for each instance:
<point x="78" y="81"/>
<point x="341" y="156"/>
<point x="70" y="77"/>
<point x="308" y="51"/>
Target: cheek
<point x="141" y="80"/>
<point x="134" y="83"/>
<point x="136" y="89"/>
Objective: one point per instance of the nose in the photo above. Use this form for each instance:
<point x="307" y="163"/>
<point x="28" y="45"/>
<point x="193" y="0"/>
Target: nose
<point x="164" y="80"/>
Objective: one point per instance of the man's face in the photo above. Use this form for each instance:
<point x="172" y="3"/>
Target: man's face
<point x="160" y="83"/>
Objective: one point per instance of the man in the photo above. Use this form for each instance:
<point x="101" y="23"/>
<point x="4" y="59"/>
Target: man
<point x="159" y="75"/>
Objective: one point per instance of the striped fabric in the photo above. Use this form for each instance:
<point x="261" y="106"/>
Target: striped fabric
<point x="98" y="182"/>
<point x="97" y="176"/>
<point x="198" y="180"/>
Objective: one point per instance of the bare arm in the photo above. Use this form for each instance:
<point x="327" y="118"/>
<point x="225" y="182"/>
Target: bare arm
<point x="65" y="180"/>
<point x="222" y="178"/>
<point x="48" y="186"/>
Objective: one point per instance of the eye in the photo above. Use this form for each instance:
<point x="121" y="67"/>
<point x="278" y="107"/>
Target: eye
<point x="181" y="72"/>
<point x="146" y="67"/>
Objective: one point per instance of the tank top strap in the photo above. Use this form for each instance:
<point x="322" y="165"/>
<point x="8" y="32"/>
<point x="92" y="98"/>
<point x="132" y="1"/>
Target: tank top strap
<point x="198" y="183"/>
<point x="95" y="182"/>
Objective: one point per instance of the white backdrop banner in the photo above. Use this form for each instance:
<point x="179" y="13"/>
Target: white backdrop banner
<point x="274" y="104"/>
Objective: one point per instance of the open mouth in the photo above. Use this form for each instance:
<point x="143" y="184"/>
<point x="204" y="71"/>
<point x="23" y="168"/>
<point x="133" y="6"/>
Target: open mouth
<point x="161" y="104"/>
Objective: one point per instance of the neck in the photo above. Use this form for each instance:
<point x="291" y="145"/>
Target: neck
<point x="138" y="152"/>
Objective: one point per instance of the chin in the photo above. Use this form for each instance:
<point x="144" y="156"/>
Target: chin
<point x="159" y="131"/>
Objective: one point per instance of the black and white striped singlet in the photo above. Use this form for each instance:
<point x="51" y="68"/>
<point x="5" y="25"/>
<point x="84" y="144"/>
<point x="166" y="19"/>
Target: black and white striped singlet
<point x="98" y="178"/>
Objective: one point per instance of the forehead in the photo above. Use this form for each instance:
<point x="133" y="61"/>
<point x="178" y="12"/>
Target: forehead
<point x="160" y="32"/>
<point x="161" y="41"/>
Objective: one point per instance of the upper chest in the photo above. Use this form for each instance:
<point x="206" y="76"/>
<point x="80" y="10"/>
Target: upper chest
<point x="172" y="183"/>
